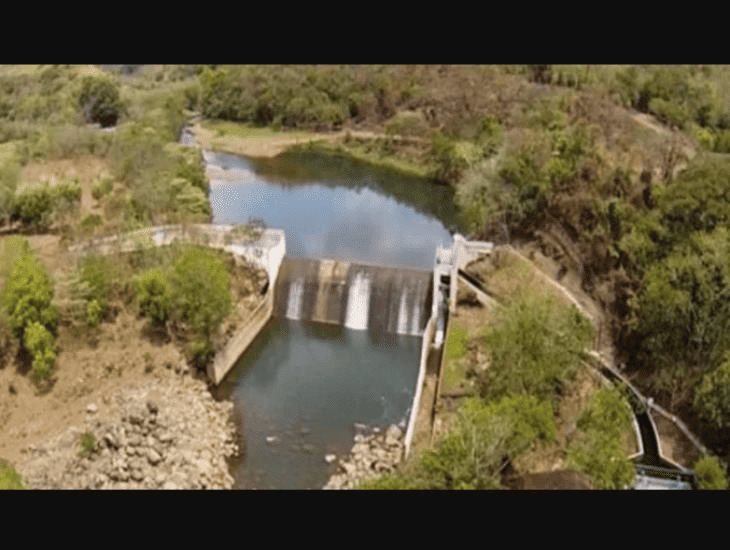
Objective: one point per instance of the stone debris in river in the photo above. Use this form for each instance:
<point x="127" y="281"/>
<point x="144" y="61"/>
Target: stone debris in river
<point x="371" y="456"/>
<point x="330" y="458"/>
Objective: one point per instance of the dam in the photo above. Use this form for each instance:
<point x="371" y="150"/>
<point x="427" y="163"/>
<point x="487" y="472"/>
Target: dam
<point x="351" y="301"/>
<point x="356" y="296"/>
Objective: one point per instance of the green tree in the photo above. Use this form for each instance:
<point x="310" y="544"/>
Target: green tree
<point x="153" y="293"/>
<point x="710" y="473"/>
<point x="712" y="396"/>
<point x="684" y="305"/>
<point x="535" y="344"/>
<point x="99" y="100"/>
<point x="486" y="436"/>
<point x="28" y="294"/>
<point x="598" y="449"/>
<point x="201" y="290"/>
<point x="41" y="346"/>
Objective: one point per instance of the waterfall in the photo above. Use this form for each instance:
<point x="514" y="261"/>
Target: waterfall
<point x="358" y="303"/>
<point x="416" y="315"/>
<point x="294" y="301"/>
<point x="402" y="327"/>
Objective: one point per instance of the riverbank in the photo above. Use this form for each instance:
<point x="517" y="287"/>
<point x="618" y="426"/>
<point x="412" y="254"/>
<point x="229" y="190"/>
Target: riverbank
<point x="165" y="434"/>
<point x="403" y="154"/>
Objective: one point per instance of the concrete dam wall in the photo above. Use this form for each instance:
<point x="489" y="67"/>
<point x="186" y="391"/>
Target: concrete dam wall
<point x="360" y="297"/>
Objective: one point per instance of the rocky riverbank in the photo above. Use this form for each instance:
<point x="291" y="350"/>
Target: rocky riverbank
<point x="167" y="434"/>
<point x="372" y="455"/>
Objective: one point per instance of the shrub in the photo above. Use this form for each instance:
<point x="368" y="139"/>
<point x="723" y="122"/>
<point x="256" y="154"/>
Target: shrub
<point x="535" y="344"/>
<point x="598" y="449"/>
<point x="40" y="344"/>
<point x="34" y="207"/>
<point x="201" y="290"/>
<point x="710" y="473"/>
<point x="28" y="294"/>
<point x="153" y="293"/>
<point x="87" y="441"/>
<point x="102" y="187"/>
<point x="99" y="100"/>
<point x="712" y="396"/>
<point x="485" y="438"/>
<point x="9" y="478"/>
<point x="408" y="124"/>
<point x="8" y="341"/>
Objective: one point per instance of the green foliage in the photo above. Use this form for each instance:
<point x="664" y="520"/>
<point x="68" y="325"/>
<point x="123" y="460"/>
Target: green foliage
<point x="40" y="205"/>
<point x="87" y="441"/>
<point x="102" y="187"/>
<point x="456" y="343"/>
<point x="408" y="124"/>
<point x="191" y="294"/>
<point x="8" y="341"/>
<point x="34" y="207"/>
<point x="40" y="344"/>
<point x="535" y="344"/>
<point x="710" y="473"/>
<point x="684" y="304"/>
<point x="99" y="100"/>
<point x="9" y="173"/>
<point x="598" y="449"/>
<point x="712" y="396"/>
<point x="698" y="199"/>
<point x="9" y="478"/>
<point x="28" y="294"/>
<point x="472" y="455"/>
<point x="167" y="181"/>
<point x="94" y="285"/>
<point x="201" y="286"/>
<point x="449" y="162"/>
<point x="154" y="295"/>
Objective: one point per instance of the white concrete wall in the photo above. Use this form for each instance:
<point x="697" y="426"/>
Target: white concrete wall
<point x="428" y="334"/>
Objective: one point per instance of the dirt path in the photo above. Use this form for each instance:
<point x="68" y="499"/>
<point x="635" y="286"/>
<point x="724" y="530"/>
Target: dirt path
<point x="270" y="144"/>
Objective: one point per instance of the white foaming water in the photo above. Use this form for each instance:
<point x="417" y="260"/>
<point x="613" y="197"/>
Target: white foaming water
<point x="416" y="315"/>
<point x="294" y="301"/>
<point x="402" y="327"/>
<point x="358" y="303"/>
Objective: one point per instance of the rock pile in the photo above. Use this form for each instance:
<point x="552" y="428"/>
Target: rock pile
<point x="372" y="455"/>
<point x="158" y="436"/>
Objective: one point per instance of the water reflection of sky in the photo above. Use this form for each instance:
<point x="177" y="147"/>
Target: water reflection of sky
<point x="343" y="216"/>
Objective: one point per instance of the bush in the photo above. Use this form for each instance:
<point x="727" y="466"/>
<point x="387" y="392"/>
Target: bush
<point x="99" y="100"/>
<point x="598" y="449"/>
<point x="9" y="173"/>
<point x="712" y="396"/>
<point x="102" y="187"/>
<point x="153" y="293"/>
<point x="535" y="344"/>
<point x="28" y="294"/>
<point x="34" y="207"/>
<point x="474" y="453"/>
<point x="9" y="478"/>
<point x="201" y="290"/>
<point x="87" y="440"/>
<point x="710" y="473"/>
<point x="668" y="112"/>
<point x="40" y="344"/>
<point x="408" y="124"/>
<point x="94" y="284"/>
<point x="8" y="341"/>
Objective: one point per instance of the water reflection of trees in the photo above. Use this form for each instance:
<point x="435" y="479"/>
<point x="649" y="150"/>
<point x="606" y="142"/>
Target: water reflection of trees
<point x="330" y="170"/>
